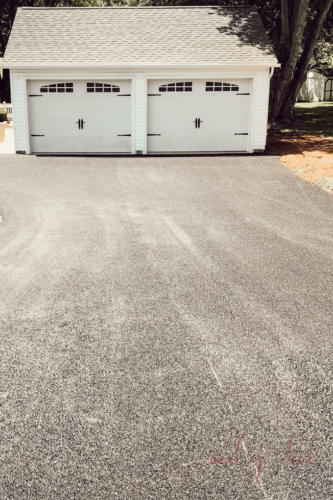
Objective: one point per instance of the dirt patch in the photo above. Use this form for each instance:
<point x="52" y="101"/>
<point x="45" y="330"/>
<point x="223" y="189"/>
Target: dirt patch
<point x="308" y="156"/>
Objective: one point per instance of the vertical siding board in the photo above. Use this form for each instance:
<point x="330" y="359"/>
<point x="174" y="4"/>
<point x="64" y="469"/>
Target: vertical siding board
<point x="140" y="111"/>
<point x="261" y="110"/>
<point x="19" y="118"/>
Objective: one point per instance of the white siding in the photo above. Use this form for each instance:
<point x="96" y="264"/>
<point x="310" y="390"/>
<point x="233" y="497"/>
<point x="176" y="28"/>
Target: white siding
<point x="19" y="116"/>
<point x="260" y="111"/>
<point x="140" y="112"/>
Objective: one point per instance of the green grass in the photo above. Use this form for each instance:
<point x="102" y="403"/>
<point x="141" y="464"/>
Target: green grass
<point x="314" y="118"/>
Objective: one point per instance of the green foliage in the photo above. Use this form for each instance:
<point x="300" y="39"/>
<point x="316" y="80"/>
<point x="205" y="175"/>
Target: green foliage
<point x="314" y="118"/>
<point x="3" y="115"/>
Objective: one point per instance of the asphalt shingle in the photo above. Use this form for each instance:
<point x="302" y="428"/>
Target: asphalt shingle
<point x="138" y="36"/>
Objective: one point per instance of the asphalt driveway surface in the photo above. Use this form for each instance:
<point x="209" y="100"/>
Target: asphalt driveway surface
<point x="155" y="310"/>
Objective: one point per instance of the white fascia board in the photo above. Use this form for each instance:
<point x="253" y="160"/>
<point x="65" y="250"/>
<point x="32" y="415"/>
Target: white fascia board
<point x="144" y="67"/>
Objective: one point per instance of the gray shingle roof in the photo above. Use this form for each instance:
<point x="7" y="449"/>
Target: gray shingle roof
<point x="74" y="37"/>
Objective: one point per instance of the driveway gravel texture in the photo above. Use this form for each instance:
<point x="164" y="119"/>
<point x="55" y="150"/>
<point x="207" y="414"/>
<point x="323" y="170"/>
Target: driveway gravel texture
<point x="156" y="312"/>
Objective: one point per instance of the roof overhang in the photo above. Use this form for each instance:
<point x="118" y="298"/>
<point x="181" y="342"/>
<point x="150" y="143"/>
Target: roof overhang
<point x="145" y="66"/>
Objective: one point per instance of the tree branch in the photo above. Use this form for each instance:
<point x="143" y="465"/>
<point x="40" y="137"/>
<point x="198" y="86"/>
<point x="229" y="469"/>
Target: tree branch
<point x="297" y="36"/>
<point x="303" y="66"/>
<point x="285" y="35"/>
<point x="312" y="38"/>
<point x="294" y="16"/>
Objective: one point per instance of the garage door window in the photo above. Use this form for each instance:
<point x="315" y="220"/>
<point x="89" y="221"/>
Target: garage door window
<point x="102" y="87"/>
<point x="221" y="87"/>
<point x="176" y="87"/>
<point x="57" y="87"/>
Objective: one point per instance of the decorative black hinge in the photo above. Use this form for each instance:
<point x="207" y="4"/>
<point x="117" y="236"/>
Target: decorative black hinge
<point x="151" y="95"/>
<point x="243" y="94"/>
<point x="123" y="95"/>
<point x="35" y="95"/>
<point x="153" y="134"/>
<point x="33" y="135"/>
<point x="124" y="135"/>
<point x="241" y="134"/>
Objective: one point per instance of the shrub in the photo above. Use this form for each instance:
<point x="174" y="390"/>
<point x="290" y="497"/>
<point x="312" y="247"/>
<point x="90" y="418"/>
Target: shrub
<point x="3" y="115"/>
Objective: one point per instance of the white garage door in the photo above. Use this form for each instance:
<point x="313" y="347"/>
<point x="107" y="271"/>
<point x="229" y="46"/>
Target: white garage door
<point x="198" y="115"/>
<point x="80" y="116"/>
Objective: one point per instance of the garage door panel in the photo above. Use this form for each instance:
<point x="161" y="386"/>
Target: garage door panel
<point x="116" y="144"/>
<point x="184" y="105"/>
<point x="224" y="143"/>
<point x="52" y="125"/>
<point x="106" y="104"/>
<point x="118" y="125"/>
<point x="170" y="124"/>
<point x="222" y="113"/>
<point x="57" y="106"/>
<point x="79" y="121"/>
<point x="114" y="124"/>
<point x="218" y="104"/>
<point x="170" y="143"/>
<point x="220" y="125"/>
<point x="229" y="105"/>
<point x="58" y="124"/>
<point x="66" y="144"/>
<point x="241" y="142"/>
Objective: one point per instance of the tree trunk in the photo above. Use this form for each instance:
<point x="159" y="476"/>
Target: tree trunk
<point x="285" y="33"/>
<point x="288" y="81"/>
<point x="284" y="78"/>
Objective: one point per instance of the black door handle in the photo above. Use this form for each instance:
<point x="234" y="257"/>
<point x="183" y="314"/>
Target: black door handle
<point x="196" y="122"/>
<point x="199" y="121"/>
<point x="82" y="122"/>
<point x="79" y="122"/>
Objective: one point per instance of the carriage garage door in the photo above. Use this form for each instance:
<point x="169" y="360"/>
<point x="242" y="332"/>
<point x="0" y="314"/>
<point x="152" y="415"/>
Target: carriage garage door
<point x="72" y="116"/>
<point x="198" y="115"/>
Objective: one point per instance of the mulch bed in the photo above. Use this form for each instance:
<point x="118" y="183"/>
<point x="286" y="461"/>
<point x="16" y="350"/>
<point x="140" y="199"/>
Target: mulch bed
<point x="308" y="156"/>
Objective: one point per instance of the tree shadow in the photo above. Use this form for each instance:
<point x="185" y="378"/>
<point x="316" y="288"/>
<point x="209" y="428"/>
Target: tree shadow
<point x="296" y="143"/>
<point x="244" y="24"/>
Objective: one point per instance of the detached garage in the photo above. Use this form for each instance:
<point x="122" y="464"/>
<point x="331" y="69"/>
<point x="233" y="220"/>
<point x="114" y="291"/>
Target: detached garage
<point x="140" y="80"/>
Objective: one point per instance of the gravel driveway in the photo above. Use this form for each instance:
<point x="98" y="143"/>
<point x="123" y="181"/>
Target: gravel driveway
<point x="155" y="310"/>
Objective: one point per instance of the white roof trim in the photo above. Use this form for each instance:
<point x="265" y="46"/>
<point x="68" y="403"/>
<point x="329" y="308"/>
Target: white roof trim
<point x="149" y="66"/>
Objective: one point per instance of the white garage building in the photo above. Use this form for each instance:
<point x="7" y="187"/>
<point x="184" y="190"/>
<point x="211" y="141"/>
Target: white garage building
<point x="140" y="80"/>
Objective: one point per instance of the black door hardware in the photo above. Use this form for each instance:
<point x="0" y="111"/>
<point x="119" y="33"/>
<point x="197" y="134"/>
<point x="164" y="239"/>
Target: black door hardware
<point x="123" y="95"/>
<point x="199" y="121"/>
<point x="153" y="134"/>
<point x="196" y="122"/>
<point x="82" y="122"/>
<point x="243" y="94"/>
<point x="34" y="135"/>
<point x="153" y="95"/>
<point x="35" y="95"/>
<point x="241" y="134"/>
<point x="79" y="123"/>
<point x="124" y="135"/>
